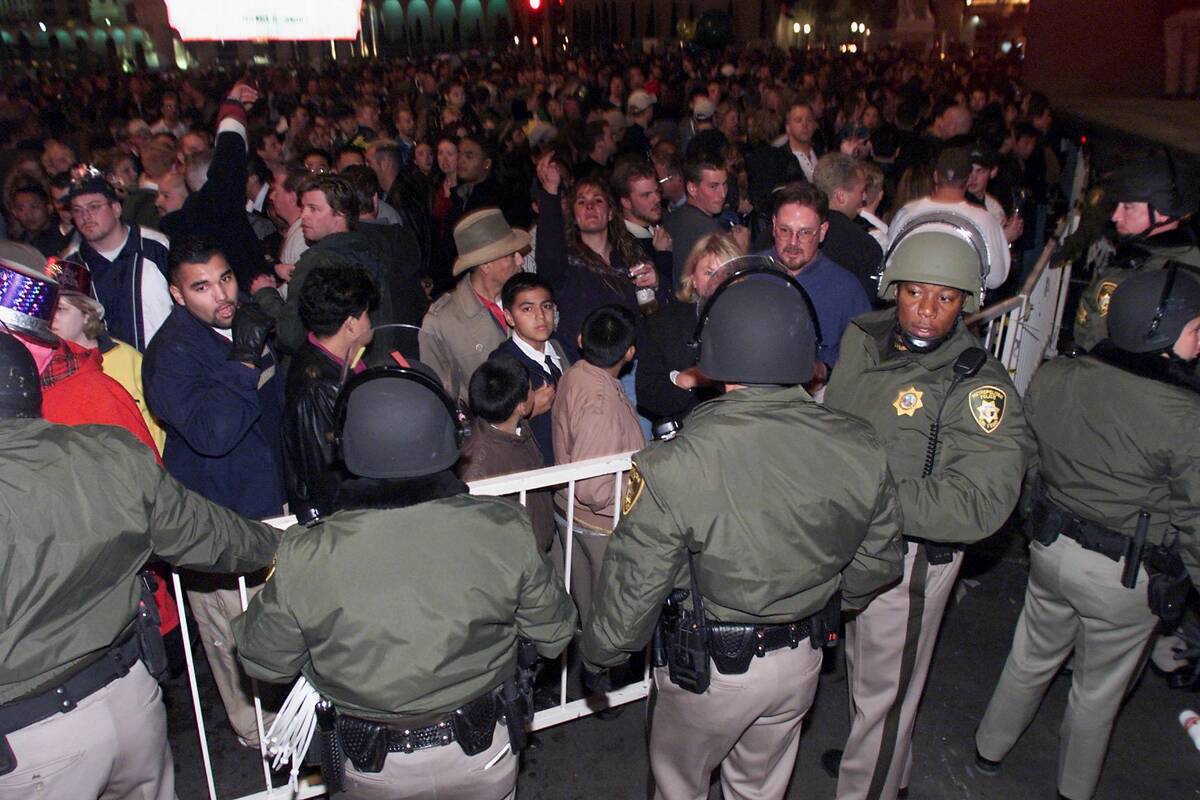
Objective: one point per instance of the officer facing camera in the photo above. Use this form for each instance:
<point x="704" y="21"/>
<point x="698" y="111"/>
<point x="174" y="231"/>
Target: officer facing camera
<point x="85" y="508"/>
<point x="735" y="569"/>
<point x="405" y="607"/>
<point x="1113" y="518"/>
<point x="957" y="444"/>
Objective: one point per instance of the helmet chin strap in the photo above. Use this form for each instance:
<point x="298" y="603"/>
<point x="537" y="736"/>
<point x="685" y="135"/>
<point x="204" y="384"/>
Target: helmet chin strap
<point x="917" y="345"/>
<point x="1151" y="229"/>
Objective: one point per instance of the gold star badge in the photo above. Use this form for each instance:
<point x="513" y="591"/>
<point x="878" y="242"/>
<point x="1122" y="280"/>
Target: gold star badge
<point x="908" y="401"/>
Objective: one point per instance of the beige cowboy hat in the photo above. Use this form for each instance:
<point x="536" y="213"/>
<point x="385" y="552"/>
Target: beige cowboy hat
<point x="485" y="235"/>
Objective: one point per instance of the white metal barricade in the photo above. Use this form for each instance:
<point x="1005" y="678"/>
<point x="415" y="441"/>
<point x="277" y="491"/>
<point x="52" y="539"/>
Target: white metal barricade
<point x="517" y="485"/>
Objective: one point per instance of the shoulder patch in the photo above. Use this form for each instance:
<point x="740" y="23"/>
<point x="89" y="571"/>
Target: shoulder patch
<point x="1104" y="295"/>
<point x="633" y="491"/>
<point x="987" y="407"/>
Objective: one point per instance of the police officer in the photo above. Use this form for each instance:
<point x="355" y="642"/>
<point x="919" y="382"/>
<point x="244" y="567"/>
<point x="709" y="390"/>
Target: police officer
<point x="747" y="524"/>
<point x="84" y="508"/>
<point x="957" y="446"/>
<point x="1155" y="199"/>
<point x="404" y="607"/>
<point x="1129" y="447"/>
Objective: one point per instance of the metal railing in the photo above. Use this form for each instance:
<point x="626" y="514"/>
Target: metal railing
<point x="1023" y="330"/>
<point x="518" y="486"/>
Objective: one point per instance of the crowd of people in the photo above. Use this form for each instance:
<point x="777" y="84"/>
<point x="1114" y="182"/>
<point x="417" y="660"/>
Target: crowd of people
<point x="276" y="281"/>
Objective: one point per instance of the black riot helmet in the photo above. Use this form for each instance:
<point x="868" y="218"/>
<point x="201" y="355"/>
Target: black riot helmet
<point x="396" y="422"/>
<point x="1166" y="186"/>
<point x="758" y="327"/>
<point x="20" y="387"/>
<point x="1148" y="311"/>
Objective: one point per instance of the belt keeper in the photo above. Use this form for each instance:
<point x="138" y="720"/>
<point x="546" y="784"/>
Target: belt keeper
<point x="406" y="743"/>
<point x="793" y="637"/>
<point x="445" y="735"/>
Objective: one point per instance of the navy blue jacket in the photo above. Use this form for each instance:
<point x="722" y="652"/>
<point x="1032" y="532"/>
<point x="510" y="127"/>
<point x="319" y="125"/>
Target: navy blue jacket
<point x="223" y="430"/>
<point x="543" y="430"/>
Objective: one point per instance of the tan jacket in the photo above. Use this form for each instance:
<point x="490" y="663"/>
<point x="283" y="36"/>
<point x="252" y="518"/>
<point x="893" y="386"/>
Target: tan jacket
<point x="457" y="335"/>
<point x="592" y="417"/>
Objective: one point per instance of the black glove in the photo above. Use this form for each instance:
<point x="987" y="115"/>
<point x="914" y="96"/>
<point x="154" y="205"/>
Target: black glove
<point x="251" y="327"/>
<point x="596" y="682"/>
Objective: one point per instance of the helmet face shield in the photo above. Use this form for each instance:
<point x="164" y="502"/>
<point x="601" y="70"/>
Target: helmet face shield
<point x="1149" y="310"/>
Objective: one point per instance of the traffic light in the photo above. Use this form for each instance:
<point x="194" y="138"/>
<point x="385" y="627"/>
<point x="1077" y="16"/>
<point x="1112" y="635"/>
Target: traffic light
<point x="535" y="5"/>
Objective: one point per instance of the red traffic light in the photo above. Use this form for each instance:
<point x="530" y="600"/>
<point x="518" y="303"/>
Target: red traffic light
<point x="534" y="5"/>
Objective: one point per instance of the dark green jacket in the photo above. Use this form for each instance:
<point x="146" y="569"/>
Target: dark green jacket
<point x="82" y="510"/>
<point x="783" y="501"/>
<point x="1091" y="323"/>
<point x="984" y="444"/>
<point x="406" y="611"/>
<point x="1112" y="443"/>
<point x="389" y="252"/>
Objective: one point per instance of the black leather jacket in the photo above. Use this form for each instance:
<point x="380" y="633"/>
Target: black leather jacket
<point x="311" y="464"/>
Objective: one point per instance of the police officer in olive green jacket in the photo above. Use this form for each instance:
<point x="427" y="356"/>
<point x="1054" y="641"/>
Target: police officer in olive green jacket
<point x="81" y="512"/>
<point x="404" y="608"/>
<point x="1155" y="199"/>
<point x="957" y="445"/>
<point x="780" y="504"/>
<point x="1130" y="445"/>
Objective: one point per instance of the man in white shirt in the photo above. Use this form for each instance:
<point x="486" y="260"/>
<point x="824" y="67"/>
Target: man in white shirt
<point x="127" y="263"/>
<point x="950" y="195"/>
<point x="284" y="203"/>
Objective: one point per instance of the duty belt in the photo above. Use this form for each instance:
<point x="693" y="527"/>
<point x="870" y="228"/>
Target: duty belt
<point x="935" y="552"/>
<point x="471" y="723"/>
<point x="731" y="646"/>
<point x="66" y="695"/>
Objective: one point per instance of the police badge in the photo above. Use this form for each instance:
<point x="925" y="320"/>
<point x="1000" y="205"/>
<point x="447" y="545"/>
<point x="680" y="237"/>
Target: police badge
<point x="987" y="407"/>
<point x="908" y="401"/>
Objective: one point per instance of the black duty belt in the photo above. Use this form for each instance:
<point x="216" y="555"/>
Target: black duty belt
<point x="935" y="552"/>
<point x="65" y="696"/>
<point x="475" y="720"/>
<point x="731" y="646"/>
<point x="1094" y="537"/>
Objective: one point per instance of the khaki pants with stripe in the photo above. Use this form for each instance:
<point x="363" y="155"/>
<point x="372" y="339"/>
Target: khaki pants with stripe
<point x="888" y="649"/>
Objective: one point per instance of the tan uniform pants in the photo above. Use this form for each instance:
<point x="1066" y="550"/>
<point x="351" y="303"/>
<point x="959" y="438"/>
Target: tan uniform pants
<point x="214" y="607"/>
<point x="1074" y="600"/>
<point x="112" y="746"/>
<point x="441" y="773"/>
<point x="888" y="649"/>
<point x="747" y="724"/>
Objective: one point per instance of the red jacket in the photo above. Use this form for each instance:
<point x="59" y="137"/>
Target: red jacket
<point x="75" y="391"/>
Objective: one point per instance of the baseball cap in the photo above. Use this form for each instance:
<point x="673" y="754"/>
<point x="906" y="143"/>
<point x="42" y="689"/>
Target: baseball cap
<point x="639" y="101"/>
<point x="703" y="109"/>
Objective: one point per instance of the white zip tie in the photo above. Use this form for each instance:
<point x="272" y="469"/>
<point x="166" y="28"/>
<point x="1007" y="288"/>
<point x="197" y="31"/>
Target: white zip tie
<point x="292" y="730"/>
<point x="496" y="758"/>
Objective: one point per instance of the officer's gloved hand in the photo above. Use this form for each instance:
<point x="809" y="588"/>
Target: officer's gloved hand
<point x="598" y="682"/>
<point x="251" y="327"/>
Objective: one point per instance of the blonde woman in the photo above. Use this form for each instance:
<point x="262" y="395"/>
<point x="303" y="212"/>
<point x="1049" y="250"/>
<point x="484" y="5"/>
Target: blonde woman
<point x="668" y="383"/>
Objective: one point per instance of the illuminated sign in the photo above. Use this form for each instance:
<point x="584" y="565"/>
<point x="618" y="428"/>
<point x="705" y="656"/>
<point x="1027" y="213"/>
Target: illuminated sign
<point x="236" y="20"/>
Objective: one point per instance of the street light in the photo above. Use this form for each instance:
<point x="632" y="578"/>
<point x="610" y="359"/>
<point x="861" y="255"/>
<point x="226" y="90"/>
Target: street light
<point x="854" y="27"/>
<point x="795" y="27"/>
<point x="807" y="29"/>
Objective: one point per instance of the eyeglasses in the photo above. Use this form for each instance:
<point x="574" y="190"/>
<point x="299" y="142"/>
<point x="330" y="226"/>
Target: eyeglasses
<point x="803" y="233"/>
<point x="89" y="210"/>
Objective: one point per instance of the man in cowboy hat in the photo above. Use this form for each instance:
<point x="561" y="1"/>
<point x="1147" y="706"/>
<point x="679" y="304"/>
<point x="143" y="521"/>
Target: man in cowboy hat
<point x="463" y="326"/>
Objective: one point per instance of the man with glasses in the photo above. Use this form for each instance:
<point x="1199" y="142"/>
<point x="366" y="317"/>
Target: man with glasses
<point x="127" y="262"/>
<point x="799" y="225"/>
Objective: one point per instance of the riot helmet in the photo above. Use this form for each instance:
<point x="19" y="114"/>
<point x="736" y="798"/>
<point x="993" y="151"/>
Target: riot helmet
<point x="758" y="327"/>
<point x="1148" y="311"/>
<point x="1167" y="187"/>
<point x="396" y="422"/>
<point x="20" y="387"/>
<point x="934" y="256"/>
